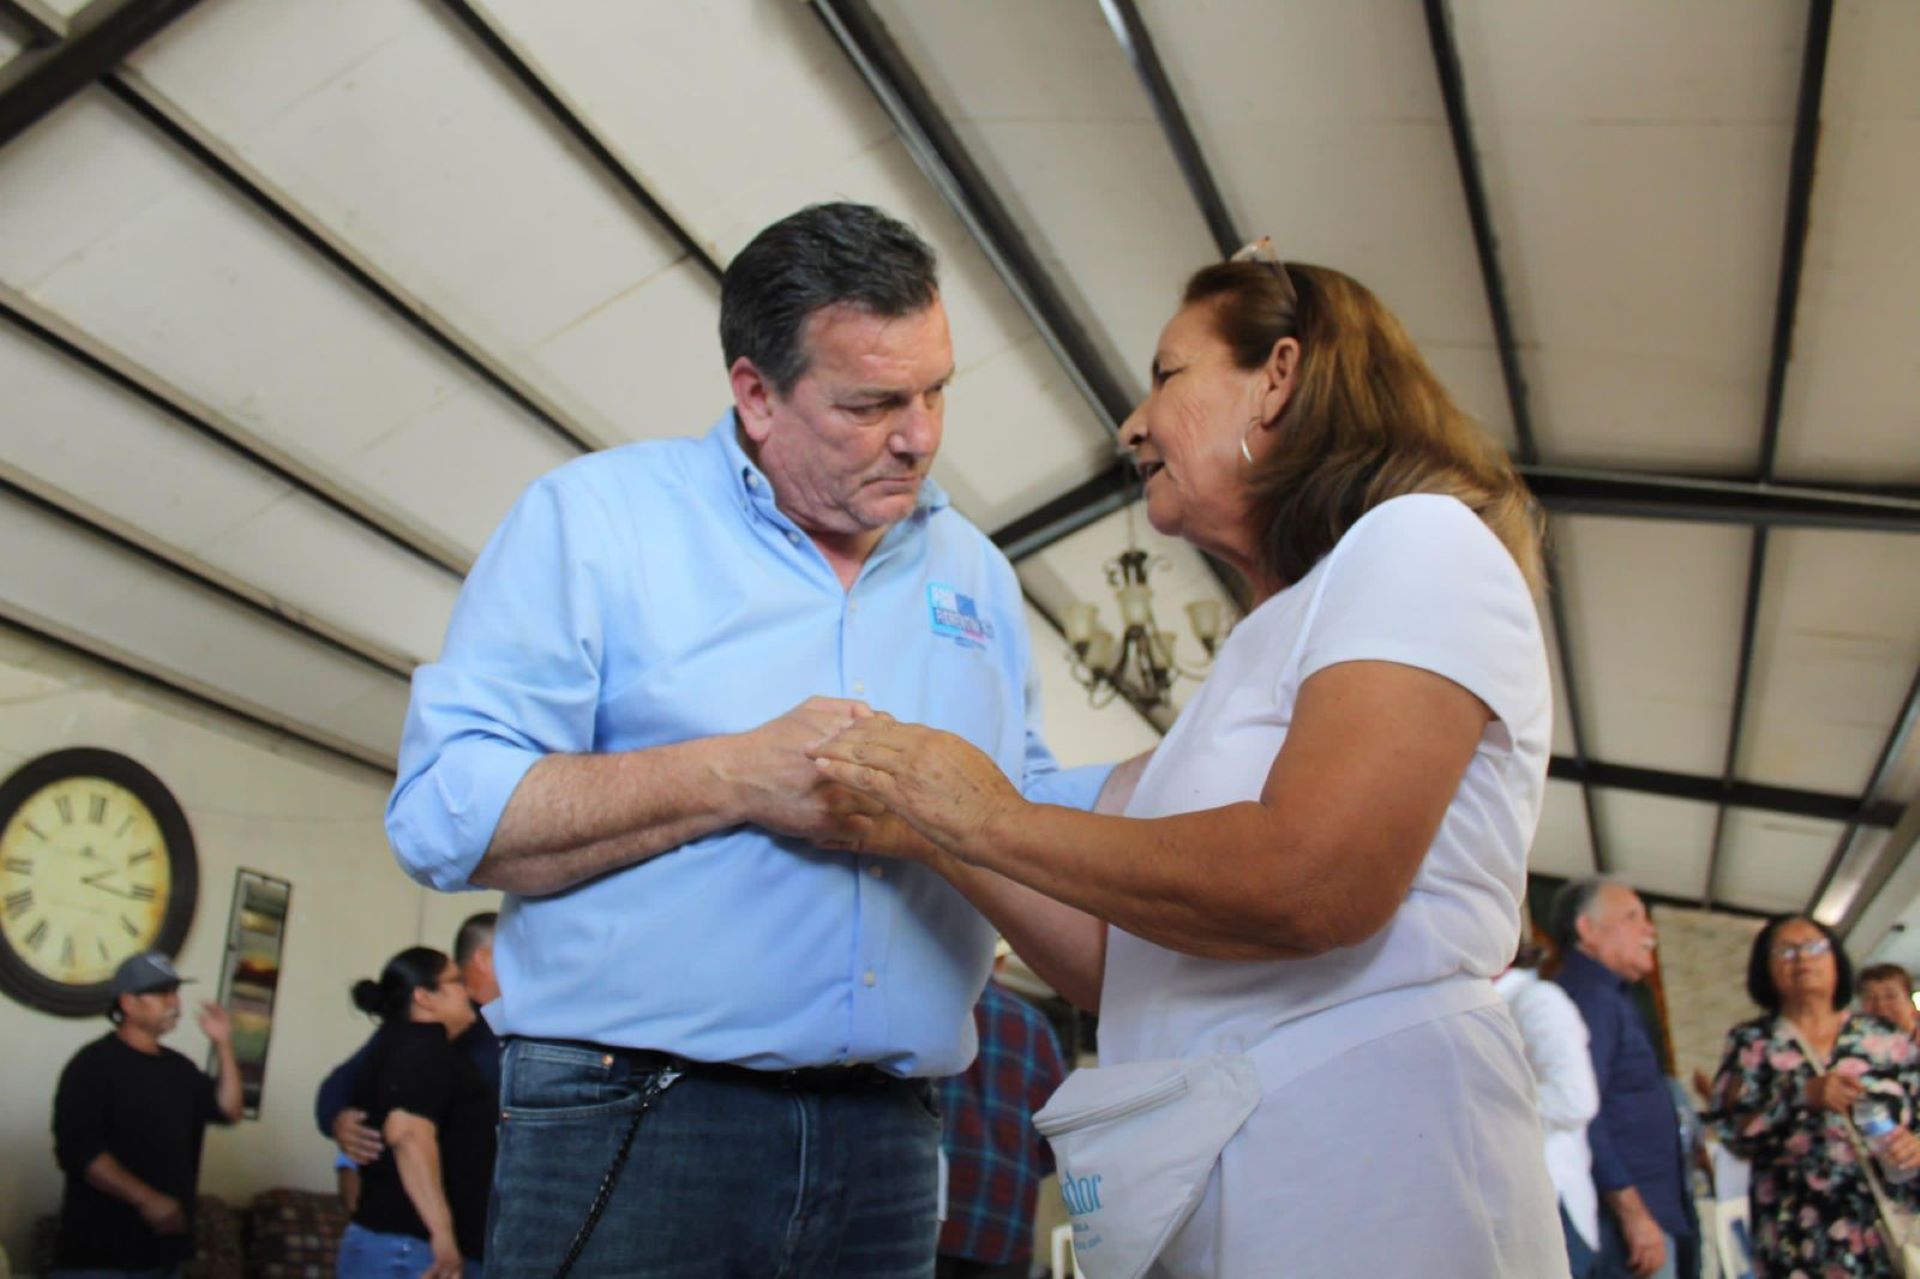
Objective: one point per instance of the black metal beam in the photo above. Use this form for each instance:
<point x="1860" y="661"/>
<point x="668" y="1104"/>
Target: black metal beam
<point x="368" y="519"/>
<point x="1130" y="29"/>
<point x="295" y="224"/>
<point x="1453" y="92"/>
<point x="1793" y="243"/>
<point x="937" y="149"/>
<point x="150" y="679"/>
<point x="1067" y="514"/>
<point x="1759" y="503"/>
<point x="43" y="77"/>
<point x="1788" y="801"/>
<point x="577" y="129"/>
<point x="1870" y="799"/>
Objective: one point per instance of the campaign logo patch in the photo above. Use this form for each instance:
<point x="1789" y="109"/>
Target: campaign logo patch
<point x="957" y="617"/>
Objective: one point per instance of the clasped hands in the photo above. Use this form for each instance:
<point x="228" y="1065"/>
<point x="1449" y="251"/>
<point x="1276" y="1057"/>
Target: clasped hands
<point x="843" y="775"/>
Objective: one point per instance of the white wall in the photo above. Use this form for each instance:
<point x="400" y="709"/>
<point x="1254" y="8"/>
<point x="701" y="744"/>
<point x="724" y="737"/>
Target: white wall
<point x="254" y="800"/>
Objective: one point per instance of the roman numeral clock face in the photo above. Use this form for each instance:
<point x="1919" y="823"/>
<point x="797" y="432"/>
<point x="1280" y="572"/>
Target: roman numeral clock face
<point x="92" y="850"/>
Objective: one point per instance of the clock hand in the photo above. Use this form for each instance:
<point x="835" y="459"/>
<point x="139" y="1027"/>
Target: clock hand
<point x="103" y="888"/>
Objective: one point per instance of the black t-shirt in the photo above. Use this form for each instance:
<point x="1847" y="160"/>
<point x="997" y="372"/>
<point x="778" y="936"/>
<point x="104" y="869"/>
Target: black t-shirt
<point x="149" y="1111"/>
<point x="413" y="1067"/>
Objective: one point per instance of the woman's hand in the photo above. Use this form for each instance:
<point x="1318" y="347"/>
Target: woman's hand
<point x="1834" y="1092"/>
<point x="943" y="786"/>
<point x="1900" y="1149"/>
<point x="447" y="1261"/>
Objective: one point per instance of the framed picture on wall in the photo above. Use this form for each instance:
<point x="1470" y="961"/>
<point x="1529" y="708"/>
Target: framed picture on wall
<point x="250" y="976"/>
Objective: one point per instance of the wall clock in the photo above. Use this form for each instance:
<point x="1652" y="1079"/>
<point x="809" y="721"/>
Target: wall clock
<point x="96" y="864"/>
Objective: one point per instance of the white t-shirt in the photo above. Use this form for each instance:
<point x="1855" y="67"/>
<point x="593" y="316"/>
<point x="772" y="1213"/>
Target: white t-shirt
<point x="1421" y="581"/>
<point x="1567" y="1094"/>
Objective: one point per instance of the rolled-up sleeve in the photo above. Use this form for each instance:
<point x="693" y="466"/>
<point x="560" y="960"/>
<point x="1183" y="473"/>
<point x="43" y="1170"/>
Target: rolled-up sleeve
<point x="518" y="679"/>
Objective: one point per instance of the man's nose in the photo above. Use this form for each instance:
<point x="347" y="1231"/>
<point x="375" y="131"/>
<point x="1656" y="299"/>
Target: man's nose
<point x="916" y="429"/>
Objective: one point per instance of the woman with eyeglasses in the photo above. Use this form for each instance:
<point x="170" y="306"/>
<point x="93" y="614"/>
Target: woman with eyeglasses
<point x="423" y="1202"/>
<point x="1789" y="1085"/>
<point x="1291" y="933"/>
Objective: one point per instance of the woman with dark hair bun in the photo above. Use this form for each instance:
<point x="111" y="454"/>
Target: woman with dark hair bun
<point x="1786" y="1091"/>
<point x="423" y="1203"/>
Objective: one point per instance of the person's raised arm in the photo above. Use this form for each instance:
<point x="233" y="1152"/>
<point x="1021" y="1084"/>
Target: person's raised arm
<point x="217" y="1026"/>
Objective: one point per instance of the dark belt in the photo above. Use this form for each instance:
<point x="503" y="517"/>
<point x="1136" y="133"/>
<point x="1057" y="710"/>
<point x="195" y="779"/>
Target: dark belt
<point x="858" y="1077"/>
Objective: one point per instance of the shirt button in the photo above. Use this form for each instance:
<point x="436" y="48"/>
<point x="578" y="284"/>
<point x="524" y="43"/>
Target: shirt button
<point x="859" y="686"/>
<point x="793" y="537"/>
<point x="753" y="481"/>
<point x="853" y="606"/>
<point x="870" y="977"/>
<point x="877" y="871"/>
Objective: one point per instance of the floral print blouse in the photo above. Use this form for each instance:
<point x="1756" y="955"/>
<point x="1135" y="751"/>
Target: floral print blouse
<point x="1813" y="1211"/>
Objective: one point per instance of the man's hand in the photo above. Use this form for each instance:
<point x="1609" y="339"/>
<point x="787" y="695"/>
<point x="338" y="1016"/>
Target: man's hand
<point x="944" y="786"/>
<point x="1834" y="1092"/>
<point x="1646" y="1242"/>
<point x="356" y="1141"/>
<point x="162" y="1214"/>
<point x="215" y="1024"/>
<point x="778" y="787"/>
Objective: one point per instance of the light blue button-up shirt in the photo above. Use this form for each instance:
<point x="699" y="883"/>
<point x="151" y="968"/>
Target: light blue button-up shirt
<point x="654" y="594"/>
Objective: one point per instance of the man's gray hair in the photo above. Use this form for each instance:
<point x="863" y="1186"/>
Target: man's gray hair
<point x="475" y="931"/>
<point x="1572" y="903"/>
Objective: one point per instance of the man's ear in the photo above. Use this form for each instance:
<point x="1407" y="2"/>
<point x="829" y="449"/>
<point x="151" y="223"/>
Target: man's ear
<point x="753" y="399"/>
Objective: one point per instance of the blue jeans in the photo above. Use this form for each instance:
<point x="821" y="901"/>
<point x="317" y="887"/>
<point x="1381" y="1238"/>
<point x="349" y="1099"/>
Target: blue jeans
<point x="726" y="1178"/>
<point x="368" y="1254"/>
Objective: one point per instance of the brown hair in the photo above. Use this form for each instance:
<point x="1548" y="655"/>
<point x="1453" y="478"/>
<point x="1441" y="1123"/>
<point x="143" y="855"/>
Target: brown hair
<point x="1367" y="421"/>
<point x="1887" y="972"/>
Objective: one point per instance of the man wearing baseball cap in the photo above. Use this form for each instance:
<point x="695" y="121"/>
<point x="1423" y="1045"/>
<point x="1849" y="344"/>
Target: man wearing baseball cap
<point x="128" y="1119"/>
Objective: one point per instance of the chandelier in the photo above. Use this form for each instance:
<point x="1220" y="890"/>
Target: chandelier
<point x="1138" y="664"/>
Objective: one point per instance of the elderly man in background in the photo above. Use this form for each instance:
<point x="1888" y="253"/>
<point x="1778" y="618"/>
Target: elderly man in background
<point x="1607" y="939"/>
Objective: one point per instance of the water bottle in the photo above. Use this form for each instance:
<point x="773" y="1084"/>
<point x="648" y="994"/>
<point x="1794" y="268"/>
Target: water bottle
<point x="1877" y="1120"/>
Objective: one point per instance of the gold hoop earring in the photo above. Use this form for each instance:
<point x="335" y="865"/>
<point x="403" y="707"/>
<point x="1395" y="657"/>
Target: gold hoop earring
<point x="1246" y="452"/>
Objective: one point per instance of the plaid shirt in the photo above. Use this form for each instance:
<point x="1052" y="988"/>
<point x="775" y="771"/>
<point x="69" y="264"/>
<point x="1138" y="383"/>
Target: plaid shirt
<point x="995" y="1157"/>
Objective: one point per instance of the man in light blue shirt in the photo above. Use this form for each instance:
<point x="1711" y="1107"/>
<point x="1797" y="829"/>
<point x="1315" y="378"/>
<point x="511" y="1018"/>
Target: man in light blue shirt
<point x="615" y="736"/>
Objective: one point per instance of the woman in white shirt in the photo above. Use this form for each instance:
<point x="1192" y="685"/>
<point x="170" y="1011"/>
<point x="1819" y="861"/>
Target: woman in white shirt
<point x="1320" y="869"/>
<point x="1555" y="1036"/>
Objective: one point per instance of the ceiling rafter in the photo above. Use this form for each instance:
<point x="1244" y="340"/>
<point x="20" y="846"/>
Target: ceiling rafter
<point x="302" y="474"/>
<point x="141" y="672"/>
<point x="1453" y="92"/>
<point x="79" y="514"/>
<point x="227" y="165"/>
<point x="61" y="63"/>
<point x="1788" y="801"/>
<point x="1898" y="737"/>
<point x="574" y="124"/>
<point x="936" y="148"/>
<point x="1793" y="244"/>
<point x="1136" y="40"/>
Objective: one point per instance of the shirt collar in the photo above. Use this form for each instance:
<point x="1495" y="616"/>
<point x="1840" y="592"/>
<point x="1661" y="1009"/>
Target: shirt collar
<point x="1586" y="968"/>
<point x="751" y="485"/>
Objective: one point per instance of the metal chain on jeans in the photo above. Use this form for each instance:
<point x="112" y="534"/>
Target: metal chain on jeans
<point x="659" y="1085"/>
